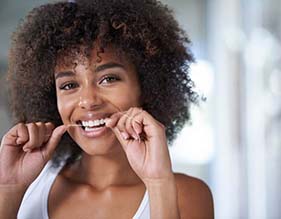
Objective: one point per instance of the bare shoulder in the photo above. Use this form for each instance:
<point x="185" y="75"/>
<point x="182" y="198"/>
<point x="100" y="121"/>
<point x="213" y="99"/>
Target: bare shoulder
<point x="194" y="197"/>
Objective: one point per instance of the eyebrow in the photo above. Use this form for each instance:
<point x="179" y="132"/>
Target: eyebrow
<point x="64" y="74"/>
<point x="109" y="65"/>
<point x="97" y="69"/>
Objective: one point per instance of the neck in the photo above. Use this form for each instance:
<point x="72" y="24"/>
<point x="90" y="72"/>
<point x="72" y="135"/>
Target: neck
<point x="104" y="171"/>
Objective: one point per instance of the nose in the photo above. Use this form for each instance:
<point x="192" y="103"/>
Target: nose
<point x="90" y="99"/>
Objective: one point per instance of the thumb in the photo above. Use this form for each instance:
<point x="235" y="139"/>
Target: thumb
<point x="53" y="141"/>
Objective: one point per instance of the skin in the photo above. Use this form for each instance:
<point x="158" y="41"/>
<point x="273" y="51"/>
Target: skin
<point x="116" y="167"/>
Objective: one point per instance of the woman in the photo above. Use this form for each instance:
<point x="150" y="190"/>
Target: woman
<point x="96" y="88"/>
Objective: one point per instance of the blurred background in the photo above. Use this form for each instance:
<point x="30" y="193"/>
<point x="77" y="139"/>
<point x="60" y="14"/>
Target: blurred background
<point x="234" y="141"/>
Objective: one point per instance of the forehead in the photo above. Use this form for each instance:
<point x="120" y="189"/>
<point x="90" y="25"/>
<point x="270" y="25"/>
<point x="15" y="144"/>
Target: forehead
<point x="71" y="57"/>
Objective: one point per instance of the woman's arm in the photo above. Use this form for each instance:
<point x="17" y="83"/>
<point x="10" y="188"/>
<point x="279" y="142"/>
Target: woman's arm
<point x="144" y="142"/>
<point x="163" y="198"/>
<point x="10" y="200"/>
<point x="24" y="151"/>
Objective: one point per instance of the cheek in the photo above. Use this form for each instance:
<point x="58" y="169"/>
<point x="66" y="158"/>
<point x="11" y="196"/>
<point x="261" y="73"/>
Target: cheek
<point x="135" y="95"/>
<point x="64" y="105"/>
<point x="131" y="98"/>
<point x="60" y="106"/>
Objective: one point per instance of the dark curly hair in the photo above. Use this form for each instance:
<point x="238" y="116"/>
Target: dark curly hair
<point x="144" y="30"/>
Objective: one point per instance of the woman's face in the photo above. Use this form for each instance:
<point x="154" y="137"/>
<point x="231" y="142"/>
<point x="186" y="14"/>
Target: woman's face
<point x="89" y="91"/>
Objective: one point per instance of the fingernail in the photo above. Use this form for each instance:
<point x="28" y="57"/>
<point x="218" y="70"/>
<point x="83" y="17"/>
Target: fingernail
<point x="61" y="129"/>
<point x="107" y="121"/>
<point x="137" y="130"/>
<point x="19" y="141"/>
<point x="125" y="135"/>
<point x="135" y="136"/>
<point x="27" y="150"/>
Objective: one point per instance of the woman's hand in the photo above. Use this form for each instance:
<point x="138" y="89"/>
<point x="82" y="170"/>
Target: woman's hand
<point x="25" y="149"/>
<point x="144" y="142"/>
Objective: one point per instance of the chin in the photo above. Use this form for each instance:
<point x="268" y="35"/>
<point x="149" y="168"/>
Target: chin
<point x="100" y="146"/>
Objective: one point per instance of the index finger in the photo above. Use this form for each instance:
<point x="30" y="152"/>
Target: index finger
<point x="48" y="131"/>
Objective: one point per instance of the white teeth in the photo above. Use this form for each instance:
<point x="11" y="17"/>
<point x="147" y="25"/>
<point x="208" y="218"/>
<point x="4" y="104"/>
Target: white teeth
<point x="96" y="122"/>
<point x="88" y="129"/>
<point x="89" y="124"/>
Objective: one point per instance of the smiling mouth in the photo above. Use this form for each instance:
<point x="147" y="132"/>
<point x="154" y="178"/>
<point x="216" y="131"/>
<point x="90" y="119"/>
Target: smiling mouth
<point x="91" y="124"/>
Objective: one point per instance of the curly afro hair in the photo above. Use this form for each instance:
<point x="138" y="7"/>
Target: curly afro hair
<point x="144" y="30"/>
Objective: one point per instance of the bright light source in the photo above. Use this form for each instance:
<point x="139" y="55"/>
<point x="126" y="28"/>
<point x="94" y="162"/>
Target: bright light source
<point x="195" y="144"/>
<point x="202" y="74"/>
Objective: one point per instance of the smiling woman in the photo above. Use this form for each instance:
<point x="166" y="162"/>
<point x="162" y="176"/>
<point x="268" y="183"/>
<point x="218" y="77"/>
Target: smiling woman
<point x="90" y="91"/>
<point x="99" y="89"/>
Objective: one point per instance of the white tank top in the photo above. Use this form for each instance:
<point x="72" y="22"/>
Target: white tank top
<point x="35" y="201"/>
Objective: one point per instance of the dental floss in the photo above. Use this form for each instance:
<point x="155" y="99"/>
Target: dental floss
<point x="72" y="125"/>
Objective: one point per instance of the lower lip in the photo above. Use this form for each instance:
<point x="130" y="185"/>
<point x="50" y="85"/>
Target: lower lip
<point x="95" y="132"/>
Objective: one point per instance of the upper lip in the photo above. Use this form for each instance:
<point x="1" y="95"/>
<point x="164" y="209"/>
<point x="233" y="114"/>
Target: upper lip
<point x="92" y="117"/>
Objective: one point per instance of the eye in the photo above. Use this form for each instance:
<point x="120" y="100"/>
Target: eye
<point x="109" y="79"/>
<point x="68" y="86"/>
